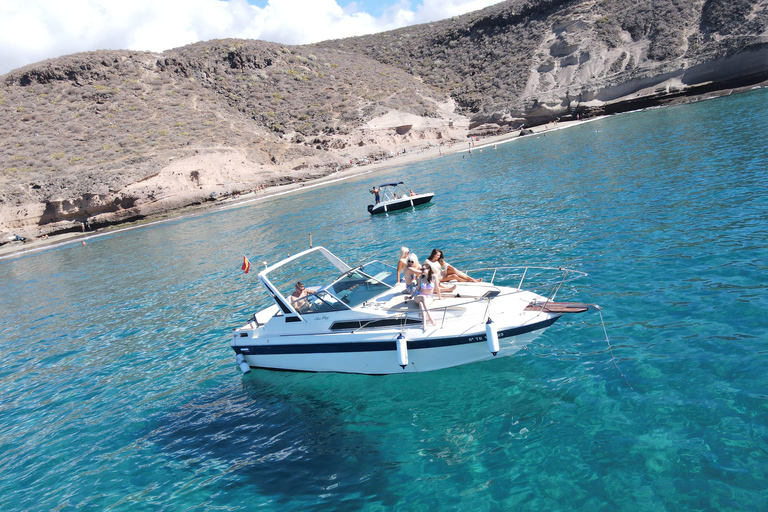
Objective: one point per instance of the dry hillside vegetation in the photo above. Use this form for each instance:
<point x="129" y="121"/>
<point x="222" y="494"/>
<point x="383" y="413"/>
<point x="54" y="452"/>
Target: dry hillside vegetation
<point x="115" y="113"/>
<point x="80" y="129"/>
<point x="117" y="135"/>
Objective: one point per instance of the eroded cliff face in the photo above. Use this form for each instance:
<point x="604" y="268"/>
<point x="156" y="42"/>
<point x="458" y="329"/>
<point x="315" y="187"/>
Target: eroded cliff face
<point x="578" y="68"/>
<point x="112" y="136"/>
<point x="529" y="61"/>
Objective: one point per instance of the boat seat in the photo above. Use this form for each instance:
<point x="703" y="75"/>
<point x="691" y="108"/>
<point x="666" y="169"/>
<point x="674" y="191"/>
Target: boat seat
<point x="401" y="303"/>
<point x="404" y="304"/>
<point x="473" y="290"/>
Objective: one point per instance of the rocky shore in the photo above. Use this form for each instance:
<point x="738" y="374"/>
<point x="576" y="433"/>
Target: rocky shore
<point x="114" y="137"/>
<point x="307" y="182"/>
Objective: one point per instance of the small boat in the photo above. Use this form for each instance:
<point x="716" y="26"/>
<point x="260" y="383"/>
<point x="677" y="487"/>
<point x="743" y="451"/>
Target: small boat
<point x="394" y="196"/>
<point x="361" y="321"/>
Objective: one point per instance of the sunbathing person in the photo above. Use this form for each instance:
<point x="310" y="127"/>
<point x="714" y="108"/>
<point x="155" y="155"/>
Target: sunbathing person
<point x="402" y="262"/>
<point x="444" y="288"/>
<point x="448" y="272"/>
<point x="427" y="284"/>
<point x="411" y="273"/>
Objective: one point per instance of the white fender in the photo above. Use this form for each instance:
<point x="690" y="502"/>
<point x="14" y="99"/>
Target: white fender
<point x="492" y="337"/>
<point x="402" y="351"/>
<point x="244" y="367"/>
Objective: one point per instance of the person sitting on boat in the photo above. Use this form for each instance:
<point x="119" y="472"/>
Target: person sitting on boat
<point x="438" y="271"/>
<point x="298" y="297"/>
<point x="448" y="272"/>
<point x="375" y="191"/>
<point x="426" y="286"/>
<point x="402" y="262"/>
<point x="411" y="193"/>
<point x="411" y="273"/>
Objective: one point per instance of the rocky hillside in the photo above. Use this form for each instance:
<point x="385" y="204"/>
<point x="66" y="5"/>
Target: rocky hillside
<point x="100" y="135"/>
<point x="115" y="135"/>
<point x="527" y="61"/>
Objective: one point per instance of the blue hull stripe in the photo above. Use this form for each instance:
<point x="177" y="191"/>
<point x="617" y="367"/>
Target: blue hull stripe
<point x="383" y="346"/>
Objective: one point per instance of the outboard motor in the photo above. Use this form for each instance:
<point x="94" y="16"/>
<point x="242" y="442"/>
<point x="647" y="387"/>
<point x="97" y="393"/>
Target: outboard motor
<point x="370" y="208"/>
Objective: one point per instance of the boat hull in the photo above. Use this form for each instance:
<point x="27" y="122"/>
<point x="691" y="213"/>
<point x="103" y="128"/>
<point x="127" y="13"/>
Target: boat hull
<point x="399" y="204"/>
<point x="377" y="353"/>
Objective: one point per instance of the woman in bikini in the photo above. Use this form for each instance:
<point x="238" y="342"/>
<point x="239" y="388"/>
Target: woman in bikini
<point x="427" y="285"/>
<point x="402" y="262"/>
<point x="411" y="273"/>
<point x="448" y="272"/>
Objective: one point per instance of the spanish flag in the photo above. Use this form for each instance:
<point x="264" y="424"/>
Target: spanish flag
<point x="246" y="265"/>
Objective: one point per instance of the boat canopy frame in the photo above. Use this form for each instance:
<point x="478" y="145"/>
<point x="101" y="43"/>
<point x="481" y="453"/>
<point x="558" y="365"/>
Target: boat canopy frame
<point x="331" y="297"/>
<point x="388" y="190"/>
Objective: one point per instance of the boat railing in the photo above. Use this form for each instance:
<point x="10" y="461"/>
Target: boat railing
<point x="560" y="276"/>
<point x="524" y="270"/>
<point x="553" y="284"/>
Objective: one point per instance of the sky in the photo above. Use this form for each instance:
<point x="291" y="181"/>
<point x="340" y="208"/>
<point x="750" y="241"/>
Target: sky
<point x="35" y="30"/>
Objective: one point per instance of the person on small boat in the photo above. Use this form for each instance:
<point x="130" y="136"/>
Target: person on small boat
<point x="411" y="193"/>
<point x="375" y="191"/>
<point x="426" y="286"/>
<point x="448" y="272"/>
<point x="298" y="297"/>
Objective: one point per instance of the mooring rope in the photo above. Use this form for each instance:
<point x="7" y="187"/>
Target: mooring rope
<point x="610" y="348"/>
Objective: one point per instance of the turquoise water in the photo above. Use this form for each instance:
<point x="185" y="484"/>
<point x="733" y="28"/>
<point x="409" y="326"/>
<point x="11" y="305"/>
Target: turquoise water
<point x="120" y="392"/>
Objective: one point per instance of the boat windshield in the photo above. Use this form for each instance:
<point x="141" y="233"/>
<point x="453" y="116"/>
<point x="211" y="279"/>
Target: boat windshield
<point x="364" y="283"/>
<point x="319" y="302"/>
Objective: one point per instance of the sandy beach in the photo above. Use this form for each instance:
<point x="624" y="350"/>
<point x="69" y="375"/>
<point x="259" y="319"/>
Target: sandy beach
<point x="13" y="249"/>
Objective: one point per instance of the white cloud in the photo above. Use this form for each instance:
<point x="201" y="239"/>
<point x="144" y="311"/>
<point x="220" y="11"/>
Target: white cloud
<point x="34" y="30"/>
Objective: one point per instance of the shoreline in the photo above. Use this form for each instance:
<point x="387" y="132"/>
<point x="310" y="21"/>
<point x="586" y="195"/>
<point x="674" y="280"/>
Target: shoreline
<point x="16" y="249"/>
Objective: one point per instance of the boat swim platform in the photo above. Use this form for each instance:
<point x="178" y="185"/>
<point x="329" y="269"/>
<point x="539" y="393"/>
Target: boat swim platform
<point x="559" y="307"/>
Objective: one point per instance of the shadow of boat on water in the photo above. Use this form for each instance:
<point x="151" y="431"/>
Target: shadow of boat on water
<point x="276" y="442"/>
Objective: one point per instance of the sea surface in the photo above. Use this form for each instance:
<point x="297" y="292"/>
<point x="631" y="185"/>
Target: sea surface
<point x="119" y="391"/>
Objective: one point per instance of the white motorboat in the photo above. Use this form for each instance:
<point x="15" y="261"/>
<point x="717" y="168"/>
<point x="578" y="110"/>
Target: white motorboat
<point x="394" y="196"/>
<point x="361" y="320"/>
